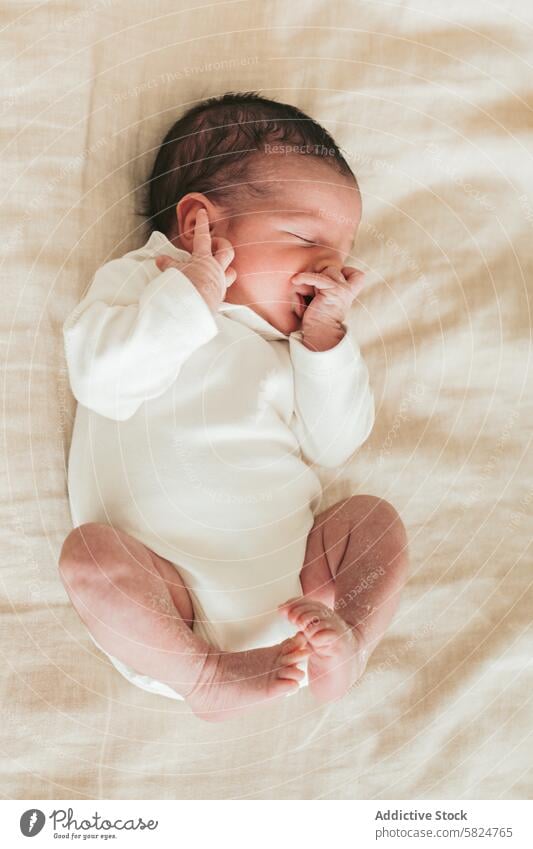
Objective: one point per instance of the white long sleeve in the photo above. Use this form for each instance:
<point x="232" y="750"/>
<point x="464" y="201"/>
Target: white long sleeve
<point x="127" y="339"/>
<point x="334" y="405"/>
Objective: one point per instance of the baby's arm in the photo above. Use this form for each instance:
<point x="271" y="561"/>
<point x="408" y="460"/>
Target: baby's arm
<point x="334" y="405"/>
<point x="128" y="338"/>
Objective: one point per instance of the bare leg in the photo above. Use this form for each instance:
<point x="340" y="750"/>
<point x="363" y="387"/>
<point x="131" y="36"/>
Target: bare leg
<point x="363" y="544"/>
<point x="138" y="609"/>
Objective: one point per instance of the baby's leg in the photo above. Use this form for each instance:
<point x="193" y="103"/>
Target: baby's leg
<point x="362" y="545"/>
<point x="137" y="607"/>
<point x="134" y="603"/>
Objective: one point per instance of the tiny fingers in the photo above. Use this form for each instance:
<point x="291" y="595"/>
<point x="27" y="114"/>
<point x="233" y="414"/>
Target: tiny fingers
<point x="348" y="270"/>
<point x="335" y="274"/>
<point x="355" y="278"/>
<point x="309" y="278"/>
<point x="352" y="274"/>
<point x="201" y="243"/>
<point x="163" y="262"/>
<point x="223" y="251"/>
<point x="329" y="277"/>
<point x="231" y="276"/>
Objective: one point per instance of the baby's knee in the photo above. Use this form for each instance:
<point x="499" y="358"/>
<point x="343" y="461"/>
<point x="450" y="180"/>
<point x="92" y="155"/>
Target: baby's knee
<point x="373" y="505"/>
<point x="84" y="546"/>
<point x="374" y="511"/>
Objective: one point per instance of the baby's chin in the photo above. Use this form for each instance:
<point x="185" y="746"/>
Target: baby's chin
<point x="286" y="322"/>
<point x="295" y="322"/>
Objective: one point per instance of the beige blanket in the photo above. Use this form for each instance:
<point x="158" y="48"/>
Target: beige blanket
<point x="432" y="102"/>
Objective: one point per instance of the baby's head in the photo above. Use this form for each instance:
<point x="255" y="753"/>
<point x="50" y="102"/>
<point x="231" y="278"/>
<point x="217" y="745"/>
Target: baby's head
<point x="272" y="181"/>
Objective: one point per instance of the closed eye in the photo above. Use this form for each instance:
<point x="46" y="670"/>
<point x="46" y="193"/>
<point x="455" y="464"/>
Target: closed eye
<point x="307" y="241"/>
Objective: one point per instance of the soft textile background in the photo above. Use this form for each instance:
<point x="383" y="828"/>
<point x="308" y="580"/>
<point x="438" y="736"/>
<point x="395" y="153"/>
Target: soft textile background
<point x="432" y="102"/>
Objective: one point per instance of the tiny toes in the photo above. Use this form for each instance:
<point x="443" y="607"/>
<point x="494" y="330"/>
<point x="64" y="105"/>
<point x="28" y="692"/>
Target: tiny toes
<point x="324" y="637"/>
<point x="309" y="619"/>
<point x="291" y="673"/>
<point x="296" y="642"/>
<point x="306" y="606"/>
<point x="283" y="685"/>
<point x="315" y="626"/>
<point x="297" y="655"/>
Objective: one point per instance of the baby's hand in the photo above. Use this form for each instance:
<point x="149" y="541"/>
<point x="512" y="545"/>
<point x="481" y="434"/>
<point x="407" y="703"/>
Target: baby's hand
<point x="208" y="268"/>
<point x="335" y="292"/>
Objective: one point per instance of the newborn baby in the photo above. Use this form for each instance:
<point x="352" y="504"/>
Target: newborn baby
<point x="213" y="367"/>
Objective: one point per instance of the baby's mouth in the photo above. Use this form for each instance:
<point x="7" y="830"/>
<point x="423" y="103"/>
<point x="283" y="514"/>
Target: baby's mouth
<point x="303" y="303"/>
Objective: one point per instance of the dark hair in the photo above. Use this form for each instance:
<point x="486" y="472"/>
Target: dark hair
<point x="215" y="145"/>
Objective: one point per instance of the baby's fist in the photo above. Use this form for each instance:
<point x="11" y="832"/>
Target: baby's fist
<point x="335" y="292"/>
<point x="208" y="267"/>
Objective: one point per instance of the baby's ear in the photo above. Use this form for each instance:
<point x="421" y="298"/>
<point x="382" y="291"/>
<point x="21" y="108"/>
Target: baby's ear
<point x="186" y="213"/>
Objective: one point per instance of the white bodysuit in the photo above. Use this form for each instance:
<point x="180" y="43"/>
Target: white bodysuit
<point x="194" y="433"/>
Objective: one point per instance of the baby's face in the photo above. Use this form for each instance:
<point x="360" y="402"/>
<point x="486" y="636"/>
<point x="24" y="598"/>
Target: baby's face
<point x="307" y="224"/>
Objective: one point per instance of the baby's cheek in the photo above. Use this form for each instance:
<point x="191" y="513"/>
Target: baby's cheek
<point x="262" y="269"/>
<point x="247" y="260"/>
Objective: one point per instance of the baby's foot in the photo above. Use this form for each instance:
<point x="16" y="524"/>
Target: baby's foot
<point x="338" y="658"/>
<point x="232" y="683"/>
